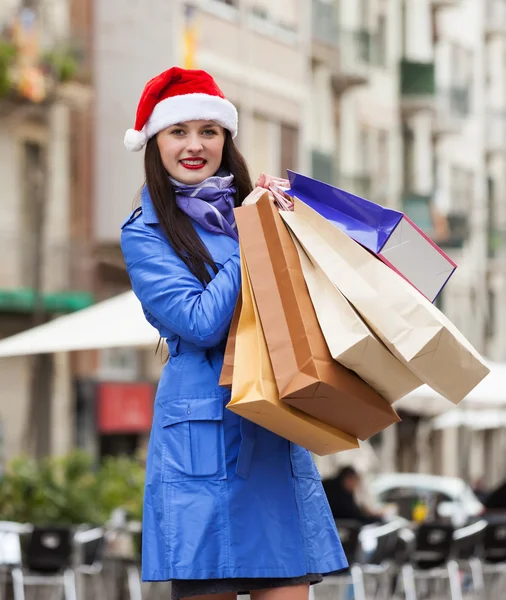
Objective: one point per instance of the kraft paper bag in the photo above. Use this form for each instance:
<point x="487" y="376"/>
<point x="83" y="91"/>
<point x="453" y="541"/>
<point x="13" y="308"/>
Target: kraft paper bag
<point x="255" y="395"/>
<point x="349" y="339"/>
<point x="306" y="375"/>
<point x="228" y="359"/>
<point x="413" y="329"/>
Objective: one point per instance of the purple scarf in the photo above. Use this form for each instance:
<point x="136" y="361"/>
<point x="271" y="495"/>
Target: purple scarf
<point x="210" y="203"/>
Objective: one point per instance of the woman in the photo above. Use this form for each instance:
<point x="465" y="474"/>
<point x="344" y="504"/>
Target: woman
<point x="229" y="507"/>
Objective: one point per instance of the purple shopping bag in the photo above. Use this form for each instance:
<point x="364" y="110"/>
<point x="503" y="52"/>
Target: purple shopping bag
<point x="388" y="233"/>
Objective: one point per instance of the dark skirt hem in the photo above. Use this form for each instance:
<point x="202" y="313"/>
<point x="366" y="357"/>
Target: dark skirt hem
<point x="186" y="588"/>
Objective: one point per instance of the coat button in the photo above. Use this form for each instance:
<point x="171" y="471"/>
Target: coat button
<point x="188" y="411"/>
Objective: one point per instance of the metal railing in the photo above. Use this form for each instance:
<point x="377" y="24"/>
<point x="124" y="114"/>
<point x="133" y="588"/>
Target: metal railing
<point x="417" y="78"/>
<point x="454" y="101"/>
<point x="322" y="166"/>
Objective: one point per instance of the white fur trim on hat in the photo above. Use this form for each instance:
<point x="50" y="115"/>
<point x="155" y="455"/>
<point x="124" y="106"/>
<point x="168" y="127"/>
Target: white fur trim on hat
<point x="192" y="107"/>
<point x="135" y="140"/>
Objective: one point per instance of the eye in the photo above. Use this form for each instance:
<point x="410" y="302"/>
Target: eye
<point x="177" y="132"/>
<point x="210" y="132"/>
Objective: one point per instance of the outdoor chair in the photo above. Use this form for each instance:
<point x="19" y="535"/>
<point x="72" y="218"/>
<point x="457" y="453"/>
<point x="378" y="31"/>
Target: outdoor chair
<point x="47" y="561"/>
<point x="89" y="564"/>
<point x="432" y="564"/>
<point x="493" y="563"/>
<point x="10" y="551"/>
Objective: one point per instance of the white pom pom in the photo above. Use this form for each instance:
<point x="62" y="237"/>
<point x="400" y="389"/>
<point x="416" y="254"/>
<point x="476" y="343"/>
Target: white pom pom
<point x="135" y="140"/>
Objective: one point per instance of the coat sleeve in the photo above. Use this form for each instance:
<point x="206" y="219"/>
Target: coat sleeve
<point x="174" y="296"/>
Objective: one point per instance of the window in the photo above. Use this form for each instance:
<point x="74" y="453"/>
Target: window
<point x="289" y="148"/>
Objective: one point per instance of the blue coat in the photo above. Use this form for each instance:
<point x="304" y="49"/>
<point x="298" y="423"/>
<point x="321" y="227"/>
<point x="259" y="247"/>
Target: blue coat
<point x="223" y="497"/>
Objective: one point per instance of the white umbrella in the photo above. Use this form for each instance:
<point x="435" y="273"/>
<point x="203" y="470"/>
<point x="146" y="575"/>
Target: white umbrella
<point x="114" y="323"/>
<point x="489" y="393"/>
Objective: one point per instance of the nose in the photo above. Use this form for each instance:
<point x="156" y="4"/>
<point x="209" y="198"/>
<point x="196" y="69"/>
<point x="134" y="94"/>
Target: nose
<point x="194" y="144"/>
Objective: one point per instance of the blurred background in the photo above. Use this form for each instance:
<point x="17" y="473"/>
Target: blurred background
<point x="400" y="101"/>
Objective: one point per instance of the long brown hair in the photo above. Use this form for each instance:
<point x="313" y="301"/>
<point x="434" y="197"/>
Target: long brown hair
<point x="175" y="224"/>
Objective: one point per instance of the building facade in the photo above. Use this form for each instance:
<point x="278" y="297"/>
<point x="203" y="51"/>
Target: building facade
<point x="401" y="101"/>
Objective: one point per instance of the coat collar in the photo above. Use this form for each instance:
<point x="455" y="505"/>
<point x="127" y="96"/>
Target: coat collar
<point x="148" y="210"/>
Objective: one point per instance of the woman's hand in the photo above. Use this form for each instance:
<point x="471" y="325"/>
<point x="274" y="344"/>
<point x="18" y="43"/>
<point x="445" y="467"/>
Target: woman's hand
<point x="275" y="187"/>
<point x="266" y="181"/>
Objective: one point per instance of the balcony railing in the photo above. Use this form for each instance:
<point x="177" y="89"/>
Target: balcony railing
<point x="323" y="167"/>
<point x="495" y="133"/>
<point x="458" y="230"/>
<point x="452" y="106"/>
<point x="350" y="53"/>
<point x="417" y="79"/>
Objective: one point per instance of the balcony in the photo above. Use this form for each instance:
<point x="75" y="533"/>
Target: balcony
<point x="322" y="167"/>
<point x="452" y="106"/>
<point x="495" y="18"/>
<point x="349" y="53"/>
<point x="457" y="231"/>
<point x="66" y="275"/>
<point x="417" y="86"/>
<point x="495" y="132"/>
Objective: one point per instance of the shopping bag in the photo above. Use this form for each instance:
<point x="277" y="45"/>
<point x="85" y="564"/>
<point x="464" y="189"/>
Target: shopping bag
<point x="388" y="233"/>
<point x="228" y="358"/>
<point x="349" y="339"/>
<point x="255" y="395"/>
<point x="413" y="329"/>
<point x="306" y="375"/>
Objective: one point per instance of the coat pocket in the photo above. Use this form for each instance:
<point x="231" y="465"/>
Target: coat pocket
<point x="193" y="439"/>
<point x="303" y="463"/>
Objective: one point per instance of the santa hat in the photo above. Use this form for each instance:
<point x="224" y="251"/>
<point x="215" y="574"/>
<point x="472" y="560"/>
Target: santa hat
<point x="175" y="96"/>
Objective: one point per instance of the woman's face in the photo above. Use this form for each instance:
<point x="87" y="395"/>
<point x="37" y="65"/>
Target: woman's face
<point x="191" y="151"/>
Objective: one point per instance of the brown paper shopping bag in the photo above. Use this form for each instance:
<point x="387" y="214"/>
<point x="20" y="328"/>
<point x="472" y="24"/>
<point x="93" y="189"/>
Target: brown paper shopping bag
<point x="415" y="331"/>
<point x="255" y="395"/>
<point x="306" y="375"/>
<point x="228" y="360"/>
<point x="349" y="339"/>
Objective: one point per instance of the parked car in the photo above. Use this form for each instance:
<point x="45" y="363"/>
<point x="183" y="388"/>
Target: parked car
<point x="446" y="498"/>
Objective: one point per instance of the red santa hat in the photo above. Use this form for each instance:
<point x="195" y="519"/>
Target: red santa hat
<point x="175" y="96"/>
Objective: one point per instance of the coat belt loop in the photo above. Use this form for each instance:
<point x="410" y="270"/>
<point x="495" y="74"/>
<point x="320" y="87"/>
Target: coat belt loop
<point x="248" y="435"/>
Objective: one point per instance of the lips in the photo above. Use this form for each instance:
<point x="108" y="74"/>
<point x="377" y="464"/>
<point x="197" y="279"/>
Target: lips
<point x="193" y="163"/>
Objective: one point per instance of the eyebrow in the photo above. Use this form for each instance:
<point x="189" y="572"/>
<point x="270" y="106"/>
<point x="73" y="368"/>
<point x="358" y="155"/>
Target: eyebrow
<point x="207" y="124"/>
